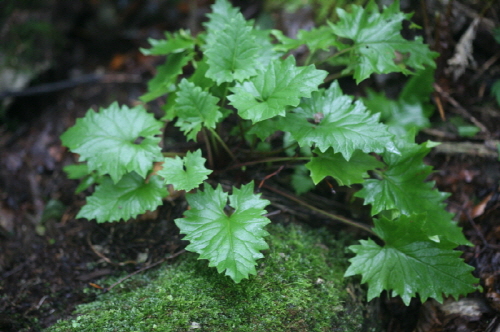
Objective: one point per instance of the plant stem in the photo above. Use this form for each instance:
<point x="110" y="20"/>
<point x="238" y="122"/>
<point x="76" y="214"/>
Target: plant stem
<point x="334" y="76"/>
<point x="224" y="95"/>
<point x="173" y="154"/>
<point x="209" y="148"/>
<point x="345" y="50"/>
<point x="271" y="160"/>
<point x="327" y="214"/>
<point x="222" y="143"/>
<point x="309" y="58"/>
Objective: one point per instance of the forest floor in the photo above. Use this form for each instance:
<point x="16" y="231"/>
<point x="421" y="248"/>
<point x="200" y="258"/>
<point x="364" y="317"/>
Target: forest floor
<point x="48" y="258"/>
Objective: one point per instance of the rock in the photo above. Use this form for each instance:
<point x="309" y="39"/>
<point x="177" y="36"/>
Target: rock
<point x="285" y="295"/>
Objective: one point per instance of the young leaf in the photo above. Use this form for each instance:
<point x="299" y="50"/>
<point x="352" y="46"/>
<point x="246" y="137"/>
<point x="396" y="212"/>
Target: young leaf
<point x="399" y="115"/>
<point x="116" y="140"/>
<point x="199" y="77"/>
<point x="344" y="172"/>
<point x="195" y="109"/>
<point x="174" y="43"/>
<point x="124" y="200"/>
<point x="378" y="46"/>
<point x="411" y="110"/>
<point x="320" y="38"/>
<point x="410" y="263"/>
<point x="330" y="120"/>
<point x="186" y="173"/>
<point x="231" y="51"/>
<point x="301" y="181"/>
<point x="221" y="14"/>
<point x="280" y="85"/>
<point x="76" y="171"/>
<point x="230" y="237"/>
<point x="81" y="171"/>
<point x="265" y="128"/>
<point x="166" y="76"/>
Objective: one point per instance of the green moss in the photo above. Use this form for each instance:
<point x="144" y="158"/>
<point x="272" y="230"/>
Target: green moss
<point x="299" y="287"/>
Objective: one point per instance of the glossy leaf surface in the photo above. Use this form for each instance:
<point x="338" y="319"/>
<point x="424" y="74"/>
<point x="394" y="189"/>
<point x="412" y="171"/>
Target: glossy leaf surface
<point x="228" y="230"/>
<point x="116" y="140"/>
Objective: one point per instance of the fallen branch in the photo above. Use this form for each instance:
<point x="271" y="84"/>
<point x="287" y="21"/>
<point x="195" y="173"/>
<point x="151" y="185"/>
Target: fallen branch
<point x="71" y="83"/>
<point x="485" y="150"/>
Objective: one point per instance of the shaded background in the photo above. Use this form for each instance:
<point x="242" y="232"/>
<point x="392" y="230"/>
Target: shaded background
<point x="59" y="58"/>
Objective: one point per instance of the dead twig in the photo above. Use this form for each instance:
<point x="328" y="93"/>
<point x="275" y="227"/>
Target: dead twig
<point x="71" y="83"/>
<point x="461" y="110"/>
<point x="439" y="105"/>
<point x="270" y="176"/>
<point x="468" y="148"/>
<point x="486" y="66"/>
<point x="106" y="259"/>
<point x="324" y="213"/>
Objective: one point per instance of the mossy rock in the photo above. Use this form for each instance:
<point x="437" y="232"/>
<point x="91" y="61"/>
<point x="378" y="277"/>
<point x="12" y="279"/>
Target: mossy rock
<point x="299" y="287"/>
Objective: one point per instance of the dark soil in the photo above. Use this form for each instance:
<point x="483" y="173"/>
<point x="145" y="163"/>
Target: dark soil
<point x="48" y="259"/>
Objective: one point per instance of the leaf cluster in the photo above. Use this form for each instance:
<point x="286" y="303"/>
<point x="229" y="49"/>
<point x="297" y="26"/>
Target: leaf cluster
<point x="248" y="74"/>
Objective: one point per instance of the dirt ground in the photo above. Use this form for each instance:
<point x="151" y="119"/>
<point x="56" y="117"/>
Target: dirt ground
<point x="48" y="259"/>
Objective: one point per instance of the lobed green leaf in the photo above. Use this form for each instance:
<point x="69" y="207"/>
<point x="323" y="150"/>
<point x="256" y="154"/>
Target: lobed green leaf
<point x="410" y="263"/>
<point x="345" y="172"/>
<point x="185" y="173"/>
<point x="321" y="38"/>
<point x="166" y="75"/>
<point x="195" y="109"/>
<point x="402" y="187"/>
<point x="378" y="46"/>
<point x="173" y="43"/>
<point x="230" y="237"/>
<point x="126" y="199"/>
<point x="301" y="180"/>
<point x="331" y="120"/>
<point x="411" y="111"/>
<point x="282" y="84"/>
<point x="231" y="51"/>
<point x="116" y="140"/>
<point x="221" y="15"/>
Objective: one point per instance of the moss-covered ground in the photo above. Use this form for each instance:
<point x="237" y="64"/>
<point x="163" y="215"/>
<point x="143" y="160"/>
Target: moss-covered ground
<point x="299" y="287"/>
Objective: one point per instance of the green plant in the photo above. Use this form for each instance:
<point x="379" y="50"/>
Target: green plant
<point x="240" y="77"/>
